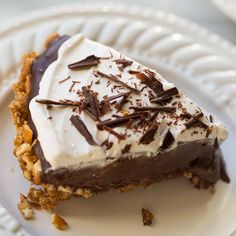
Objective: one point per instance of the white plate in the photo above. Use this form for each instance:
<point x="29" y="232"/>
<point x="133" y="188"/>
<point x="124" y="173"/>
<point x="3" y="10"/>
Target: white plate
<point x="200" y="63"/>
<point x="228" y="7"/>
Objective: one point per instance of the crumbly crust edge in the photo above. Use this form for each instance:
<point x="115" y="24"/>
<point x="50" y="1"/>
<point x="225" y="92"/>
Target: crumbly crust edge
<point x="23" y="141"/>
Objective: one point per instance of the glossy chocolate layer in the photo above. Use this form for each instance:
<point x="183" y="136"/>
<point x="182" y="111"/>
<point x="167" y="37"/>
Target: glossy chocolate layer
<point x="195" y="157"/>
<point x="200" y="158"/>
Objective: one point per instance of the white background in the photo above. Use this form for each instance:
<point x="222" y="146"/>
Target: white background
<point x="200" y="11"/>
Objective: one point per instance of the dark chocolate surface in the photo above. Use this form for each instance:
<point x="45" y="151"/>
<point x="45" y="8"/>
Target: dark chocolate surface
<point x="134" y="171"/>
<point x="201" y="158"/>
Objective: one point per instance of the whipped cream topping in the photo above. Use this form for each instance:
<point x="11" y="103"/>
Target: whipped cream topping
<point x="64" y="145"/>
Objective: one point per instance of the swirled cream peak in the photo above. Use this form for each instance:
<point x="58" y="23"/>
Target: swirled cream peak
<point x="104" y="106"/>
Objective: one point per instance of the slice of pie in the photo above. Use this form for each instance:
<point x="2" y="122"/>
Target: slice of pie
<point x="89" y="119"/>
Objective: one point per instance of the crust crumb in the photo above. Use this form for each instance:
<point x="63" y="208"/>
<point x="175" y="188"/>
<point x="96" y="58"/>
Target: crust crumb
<point x="147" y="217"/>
<point x="59" y="222"/>
<point x="36" y="172"/>
<point x="27" y="133"/>
<point x="126" y="188"/>
<point x="48" y="198"/>
<point x="25" y="208"/>
<point x="51" y="38"/>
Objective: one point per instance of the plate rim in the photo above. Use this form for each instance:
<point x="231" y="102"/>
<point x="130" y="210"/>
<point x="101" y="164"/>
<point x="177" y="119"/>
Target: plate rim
<point x="178" y="22"/>
<point x="144" y="11"/>
<point x="195" y="28"/>
<point x="226" y="8"/>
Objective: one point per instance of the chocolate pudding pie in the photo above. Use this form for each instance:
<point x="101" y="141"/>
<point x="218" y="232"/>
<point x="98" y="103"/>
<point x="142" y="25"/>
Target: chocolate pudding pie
<point x="90" y="119"/>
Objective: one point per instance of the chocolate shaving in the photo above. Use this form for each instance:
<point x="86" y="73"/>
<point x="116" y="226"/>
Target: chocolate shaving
<point x="86" y="93"/>
<point x="144" y="87"/>
<point x="211" y="119"/>
<point x="97" y="105"/>
<point x="73" y="84"/>
<point x="116" y="80"/>
<point x="148" y="137"/>
<point x="59" y="103"/>
<point x="97" y="82"/>
<point x="87" y="111"/>
<point x="126" y="149"/>
<point x="116" y="116"/>
<point x="147" y="217"/>
<point x="115" y="96"/>
<point x="158" y="109"/>
<point x="111" y="131"/>
<point x="133" y="72"/>
<point x="120" y="104"/>
<point x="193" y="121"/>
<point x="118" y="121"/>
<point x="141" y="113"/>
<point x="216" y="143"/>
<point x="168" y="140"/>
<point x="223" y="173"/>
<point x="185" y="115"/>
<point x="92" y="102"/>
<point x="150" y="73"/>
<point x="150" y="80"/>
<point x="80" y="126"/>
<point x="64" y="80"/>
<point x="209" y="131"/>
<point x="86" y="63"/>
<point x="104" y="107"/>
<point x="153" y="117"/>
<point x="123" y="62"/>
<point x="107" y="144"/>
<point x="167" y="94"/>
<point x="94" y="105"/>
